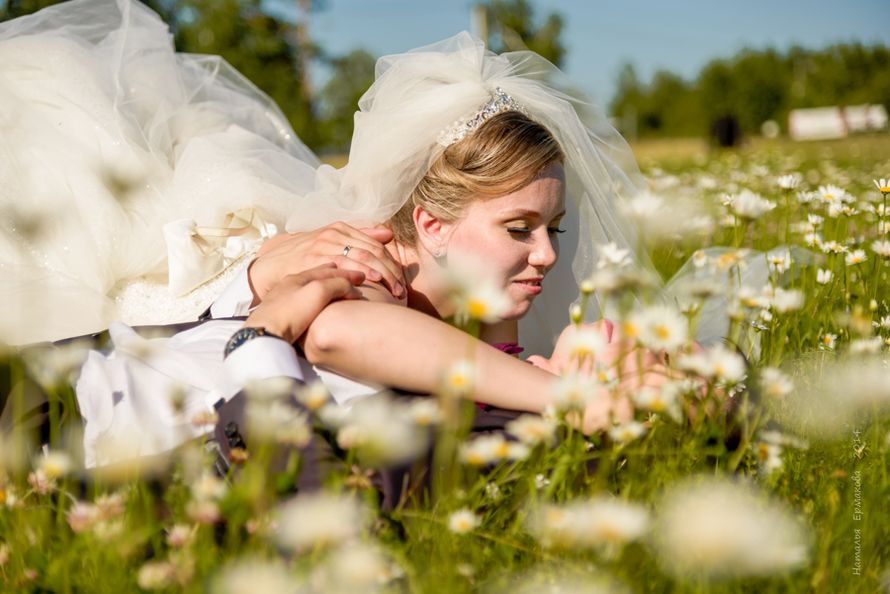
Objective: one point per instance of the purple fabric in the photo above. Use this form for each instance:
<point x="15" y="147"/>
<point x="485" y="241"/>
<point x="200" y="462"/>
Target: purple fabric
<point x="511" y="348"/>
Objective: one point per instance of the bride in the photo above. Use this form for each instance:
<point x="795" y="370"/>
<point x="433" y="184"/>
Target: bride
<point x="165" y="172"/>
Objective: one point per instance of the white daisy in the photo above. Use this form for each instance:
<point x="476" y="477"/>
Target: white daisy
<point x="855" y="257"/>
<point x="881" y="248"/>
<point x="775" y="383"/>
<point x="463" y="521"/>
<point x="716" y="528"/>
<point x="626" y="432"/>
<point x="750" y="206"/>
<point x="789" y="181"/>
<point x="660" y="327"/>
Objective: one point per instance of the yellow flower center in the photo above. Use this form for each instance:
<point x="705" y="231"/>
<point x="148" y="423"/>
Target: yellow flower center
<point x="475" y="459"/>
<point x="477" y="309"/>
<point x="662" y="332"/>
<point x="763" y="452"/>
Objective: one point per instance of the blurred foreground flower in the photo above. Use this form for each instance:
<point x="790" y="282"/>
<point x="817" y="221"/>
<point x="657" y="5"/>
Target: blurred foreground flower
<point x="574" y="392"/>
<point x="626" y="432"/>
<point x="313" y="395"/>
<point x="715" y="528"/>
<point x="666" y="399"/>
<point x="255" y="575"/>
<point x="353" y="568"/>
<point x="660" y="328"/>
<point x="459" y="379"/>
<point x="473" y="293"/>
<point x="832" y="395"/>
<point x="775" y="383"/>
<point x="492" y="449"/>
<point x="382" y="430"/>
<point x="593" y="523"/>
<point x="276" y="421"/>
<point x="532" y="429"/>
<point x="319" y="520"/>
<point x="716" y="363"/>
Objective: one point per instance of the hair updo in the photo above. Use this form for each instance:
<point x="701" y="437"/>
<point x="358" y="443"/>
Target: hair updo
<point x="503" y="155"/>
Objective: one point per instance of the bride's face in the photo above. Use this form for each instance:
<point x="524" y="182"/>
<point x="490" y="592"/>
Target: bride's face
<point x="515" y="236"/>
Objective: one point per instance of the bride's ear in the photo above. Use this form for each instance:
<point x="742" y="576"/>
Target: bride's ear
<point x="432" y="232"/>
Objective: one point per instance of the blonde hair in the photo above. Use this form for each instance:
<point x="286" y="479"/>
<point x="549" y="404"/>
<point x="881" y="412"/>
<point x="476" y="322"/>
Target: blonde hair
<point x="503" y="155"/>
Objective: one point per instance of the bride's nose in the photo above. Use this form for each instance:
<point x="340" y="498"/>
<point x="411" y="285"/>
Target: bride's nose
<point x="544" y="251"/>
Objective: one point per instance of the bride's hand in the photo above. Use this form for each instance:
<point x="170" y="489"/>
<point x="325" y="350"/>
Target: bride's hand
<point x="289" y="254"/>
<point x="561" y="361"/>
<point x="297" y="299"/>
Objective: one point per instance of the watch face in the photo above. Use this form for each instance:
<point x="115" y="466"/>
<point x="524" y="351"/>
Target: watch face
<point x="240" y="337"/>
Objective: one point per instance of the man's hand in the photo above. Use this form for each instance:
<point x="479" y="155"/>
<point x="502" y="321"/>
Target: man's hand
<point x="297" y="299"/>
<point x="289" y="254"/>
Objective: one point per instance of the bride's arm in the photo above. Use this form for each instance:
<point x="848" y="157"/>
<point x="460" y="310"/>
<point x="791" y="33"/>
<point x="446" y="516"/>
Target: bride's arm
<point x="399" y="347"/>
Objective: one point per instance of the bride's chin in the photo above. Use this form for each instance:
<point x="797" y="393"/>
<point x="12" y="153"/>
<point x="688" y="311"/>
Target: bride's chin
<point x="518" y="311"/>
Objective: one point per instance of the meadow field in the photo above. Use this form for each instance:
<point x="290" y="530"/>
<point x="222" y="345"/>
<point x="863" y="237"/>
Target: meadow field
<point x="760" y="464"/>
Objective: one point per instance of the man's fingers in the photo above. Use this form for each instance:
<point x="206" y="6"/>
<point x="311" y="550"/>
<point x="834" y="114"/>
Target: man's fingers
<point x="373" y="254"/>
<point x="381" y="234"/>
<point x="325" y="271"/>
<point x="373" y="266"/>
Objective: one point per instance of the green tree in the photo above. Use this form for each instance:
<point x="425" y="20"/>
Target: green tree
<point x="353" y="74"/>
<point x="512" y="26"/>
<point x="263" y="48"/>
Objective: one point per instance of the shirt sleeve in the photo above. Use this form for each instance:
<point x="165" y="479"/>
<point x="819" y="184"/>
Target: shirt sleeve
<point x="148" y="395"/>
<point x="261" y="358"/>
<point x="235" y="299"/>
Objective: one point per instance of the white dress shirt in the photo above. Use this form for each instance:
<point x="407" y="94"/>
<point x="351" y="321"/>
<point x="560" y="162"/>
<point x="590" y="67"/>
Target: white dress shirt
<point x="141" y="398"/>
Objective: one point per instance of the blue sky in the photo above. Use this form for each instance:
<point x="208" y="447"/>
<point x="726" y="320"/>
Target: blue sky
<point x="678" y="35"/>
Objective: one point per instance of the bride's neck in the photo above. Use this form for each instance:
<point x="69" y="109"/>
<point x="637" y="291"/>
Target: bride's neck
<point x="427" y="293"/>
<point x="425" y="290"/>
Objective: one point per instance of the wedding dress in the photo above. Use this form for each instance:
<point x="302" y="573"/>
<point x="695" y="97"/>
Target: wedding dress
<point x="134" y="180"/>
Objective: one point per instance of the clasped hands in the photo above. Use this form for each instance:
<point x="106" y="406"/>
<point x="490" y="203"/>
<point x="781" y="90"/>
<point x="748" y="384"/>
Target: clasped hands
<point x="297" y="275"/>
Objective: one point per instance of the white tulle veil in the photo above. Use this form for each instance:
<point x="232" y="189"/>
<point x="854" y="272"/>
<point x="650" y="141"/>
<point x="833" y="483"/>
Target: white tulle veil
<point x="418" y="94"/>
<point x="207" y="144"/>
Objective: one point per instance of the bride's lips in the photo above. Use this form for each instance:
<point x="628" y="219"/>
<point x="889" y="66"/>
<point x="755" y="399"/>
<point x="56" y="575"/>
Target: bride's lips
<point x="531" y="286"/>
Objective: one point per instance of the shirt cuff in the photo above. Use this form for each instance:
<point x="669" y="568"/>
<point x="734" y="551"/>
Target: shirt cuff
<point x="261" y="358"/>
<point x="235" y="299"/>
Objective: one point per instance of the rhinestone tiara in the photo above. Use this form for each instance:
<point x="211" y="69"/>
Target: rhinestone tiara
<point x="499" y="102"/>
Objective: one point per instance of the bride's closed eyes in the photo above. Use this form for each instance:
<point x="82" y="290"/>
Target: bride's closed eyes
<point x="522" y="230"/>
<point x="521" y="227"/>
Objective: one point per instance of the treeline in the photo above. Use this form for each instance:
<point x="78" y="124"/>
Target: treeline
<point x="753" y="86"/>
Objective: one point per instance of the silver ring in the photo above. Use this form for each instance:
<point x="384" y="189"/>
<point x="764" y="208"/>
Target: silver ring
<point x="346" y="251"/>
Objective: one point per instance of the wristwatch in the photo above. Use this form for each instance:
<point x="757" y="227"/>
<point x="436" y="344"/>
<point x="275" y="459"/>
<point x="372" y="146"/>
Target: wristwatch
<point x="245" y="335"/>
